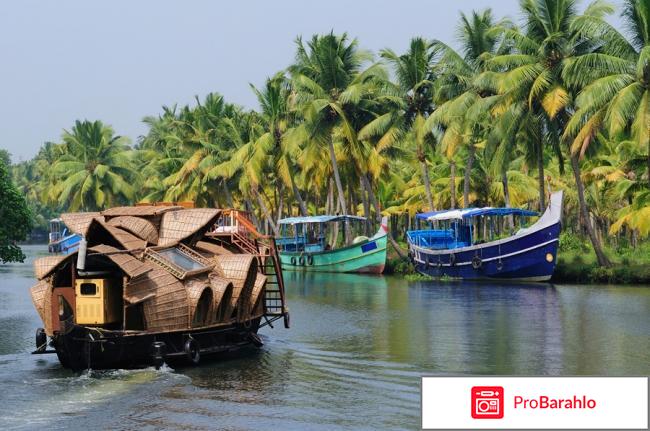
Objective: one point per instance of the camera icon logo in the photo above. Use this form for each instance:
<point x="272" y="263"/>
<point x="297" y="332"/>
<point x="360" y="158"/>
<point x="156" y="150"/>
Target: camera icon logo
<point x="487" y="402"/>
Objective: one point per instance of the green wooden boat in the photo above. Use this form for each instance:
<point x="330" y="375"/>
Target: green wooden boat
<point x="308" y="250"/>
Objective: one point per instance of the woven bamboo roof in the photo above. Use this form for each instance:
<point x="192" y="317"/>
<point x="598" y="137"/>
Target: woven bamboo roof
<point x="45" y="266"/>
<point x="79" y="222"/>
<point x="139" y="211"/>
<point x="178" y="225"/>
<point x="241" y="269"/>
<point x="41" y="297"/>
<point x="221" y="295"/>
<point x="127" y="263"/>
<point x="164" y="297"/>
<point x="211" y="248"/>
<point x="126" y="239"/>
<point x="138" y="226"/>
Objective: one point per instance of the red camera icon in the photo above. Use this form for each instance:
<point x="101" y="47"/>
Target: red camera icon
<point x="487" y="402"/>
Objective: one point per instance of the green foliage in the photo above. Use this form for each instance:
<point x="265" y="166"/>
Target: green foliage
<point x="490" y="124"/>
<point x="570" y="242"/>
<point x="15" y="216"/>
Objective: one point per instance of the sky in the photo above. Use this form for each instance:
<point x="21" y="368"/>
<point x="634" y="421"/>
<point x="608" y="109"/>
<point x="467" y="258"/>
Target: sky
<point x="119" y="61"/>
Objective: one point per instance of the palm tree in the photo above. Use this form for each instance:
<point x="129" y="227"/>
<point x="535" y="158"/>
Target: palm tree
<point x="415" y="79"/>
<point x="329" y="87"/>
<point x="615" y="96"/>
<point x="536" y="99"/>
<point x="463" y="114"/>
<point x="272" y="147"/>
<point x="95" y="169"/>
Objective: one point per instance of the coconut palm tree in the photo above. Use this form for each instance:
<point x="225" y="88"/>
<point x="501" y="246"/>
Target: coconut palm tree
<point x="95" y="169"/>
<point x="535" y="98"/>
<point x="415" y="79"/>
<point x="464" y="107"/>
<point x="330" y="87"/>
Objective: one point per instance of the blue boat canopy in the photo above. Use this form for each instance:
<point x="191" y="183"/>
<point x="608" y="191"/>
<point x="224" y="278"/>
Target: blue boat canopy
<point x="320" y="219"/>
<point x="464" y="214"/>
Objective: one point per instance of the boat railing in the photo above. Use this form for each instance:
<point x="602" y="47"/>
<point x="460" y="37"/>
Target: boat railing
<point x="434" y="239"/>
<point x="241" y="231"/>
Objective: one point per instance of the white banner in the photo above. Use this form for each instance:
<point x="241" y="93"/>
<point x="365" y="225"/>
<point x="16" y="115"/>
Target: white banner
<point x="535" y="402"/>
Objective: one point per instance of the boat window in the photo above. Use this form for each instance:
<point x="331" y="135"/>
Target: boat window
<point x="88" y="289"/>
<point x="181" y="259"/>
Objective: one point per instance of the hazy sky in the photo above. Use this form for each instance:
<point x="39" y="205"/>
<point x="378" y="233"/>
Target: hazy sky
<point x="118" y="60"/>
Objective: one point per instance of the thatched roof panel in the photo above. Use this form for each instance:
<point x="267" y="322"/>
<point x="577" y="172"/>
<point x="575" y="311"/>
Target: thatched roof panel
<point x="138" y="226"/>
<point x="139" y="211"/>
<point x="127" y="263"/>
<point x="211" y="248"/>
<point x="45" y="266"/>
<point x="165" y="300"/>
<point x="79" y="222"/>
<point x="42" y="299"/>
<point x="178" y="225"/>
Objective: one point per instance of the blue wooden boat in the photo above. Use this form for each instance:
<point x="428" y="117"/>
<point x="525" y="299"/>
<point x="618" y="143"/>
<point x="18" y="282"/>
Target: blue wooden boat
<point x="308" y="248"/>
<point x="458" y="250"/>
<point x="60" y="240"/>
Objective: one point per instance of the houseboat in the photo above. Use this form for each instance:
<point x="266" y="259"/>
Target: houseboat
<point x="479" y="243"/>
<point x="305" y="246"/>
<point x="151" y="284"/>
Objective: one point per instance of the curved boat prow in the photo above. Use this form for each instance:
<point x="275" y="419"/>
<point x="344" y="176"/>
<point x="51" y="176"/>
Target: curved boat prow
<point x="383" y="228"/>
<point x="553" y="213"/>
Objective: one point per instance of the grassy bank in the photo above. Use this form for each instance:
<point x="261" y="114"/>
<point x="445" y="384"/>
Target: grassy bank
<point x="577" y="263"/>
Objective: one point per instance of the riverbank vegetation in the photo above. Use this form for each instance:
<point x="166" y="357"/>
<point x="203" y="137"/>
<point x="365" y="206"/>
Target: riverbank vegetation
<point x="556" y="98"/>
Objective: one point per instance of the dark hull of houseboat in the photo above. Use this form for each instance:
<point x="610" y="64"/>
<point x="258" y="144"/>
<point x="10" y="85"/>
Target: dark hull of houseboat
<point x="80" y="347"/>
<point x="530" y="257"/>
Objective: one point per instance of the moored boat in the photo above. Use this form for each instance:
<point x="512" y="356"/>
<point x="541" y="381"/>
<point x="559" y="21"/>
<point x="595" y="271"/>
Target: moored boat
<point x="308" y="248"/>
<point x="459" y="251"/>
<point x="149" y="285"/>
<point x="60" y="239"/>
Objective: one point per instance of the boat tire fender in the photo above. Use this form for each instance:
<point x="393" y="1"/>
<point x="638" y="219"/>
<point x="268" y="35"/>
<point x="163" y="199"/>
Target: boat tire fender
<point x="255" y="339"/>
<point x="301" y="260"/>
<point x="41" y="340"/>
<point x="191" y="349"/>
<point x="293" y="260"/>
<point x="310" y="260"/>
<point x="477" y="263"/>
<point x="158" y="349"/>
<point x="499" y="265"/>
<point x="287" y="320"/>
<point x="452" y="259"/>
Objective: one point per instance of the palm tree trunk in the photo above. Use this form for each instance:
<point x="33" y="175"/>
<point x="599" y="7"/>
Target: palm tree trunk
<point x="372" y="197"/>
<point x="265" y="211"/>
<point x="228" y="195"/>
<point x="468" y="172"/>
<point x="452" y="184"/>
<point x="366" y="204"/>
<point x="337" y="178"/>
<point x="339" y="188"/>
<point x="296" y="194"/>
<point x="280" y="203"/>
<point x="540" y="177"/>
<point x="427" y="183"/>
<point x="584" y="214"/>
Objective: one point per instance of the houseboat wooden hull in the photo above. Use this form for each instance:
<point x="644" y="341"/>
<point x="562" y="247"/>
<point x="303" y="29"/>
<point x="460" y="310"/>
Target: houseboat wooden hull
<point x="367" y="257"/>
<point x="529" y="255"/>
<point x="80" y="347"/>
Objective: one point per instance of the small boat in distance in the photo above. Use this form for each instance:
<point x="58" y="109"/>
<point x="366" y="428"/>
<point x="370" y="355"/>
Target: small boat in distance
<point x="459" y="250"/>
<point x="309" y="250"/>
<point x="60" y="240"/>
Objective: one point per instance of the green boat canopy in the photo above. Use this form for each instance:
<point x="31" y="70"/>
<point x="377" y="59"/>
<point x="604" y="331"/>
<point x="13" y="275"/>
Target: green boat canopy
<point x="320" y="219"/>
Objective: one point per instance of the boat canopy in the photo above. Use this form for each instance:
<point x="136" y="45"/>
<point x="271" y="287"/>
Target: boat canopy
<point x="320" y="219"/>
<point x="476" y="212"/>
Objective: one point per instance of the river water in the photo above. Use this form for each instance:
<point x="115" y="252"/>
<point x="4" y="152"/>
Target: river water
<point x="352" y="359"/>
